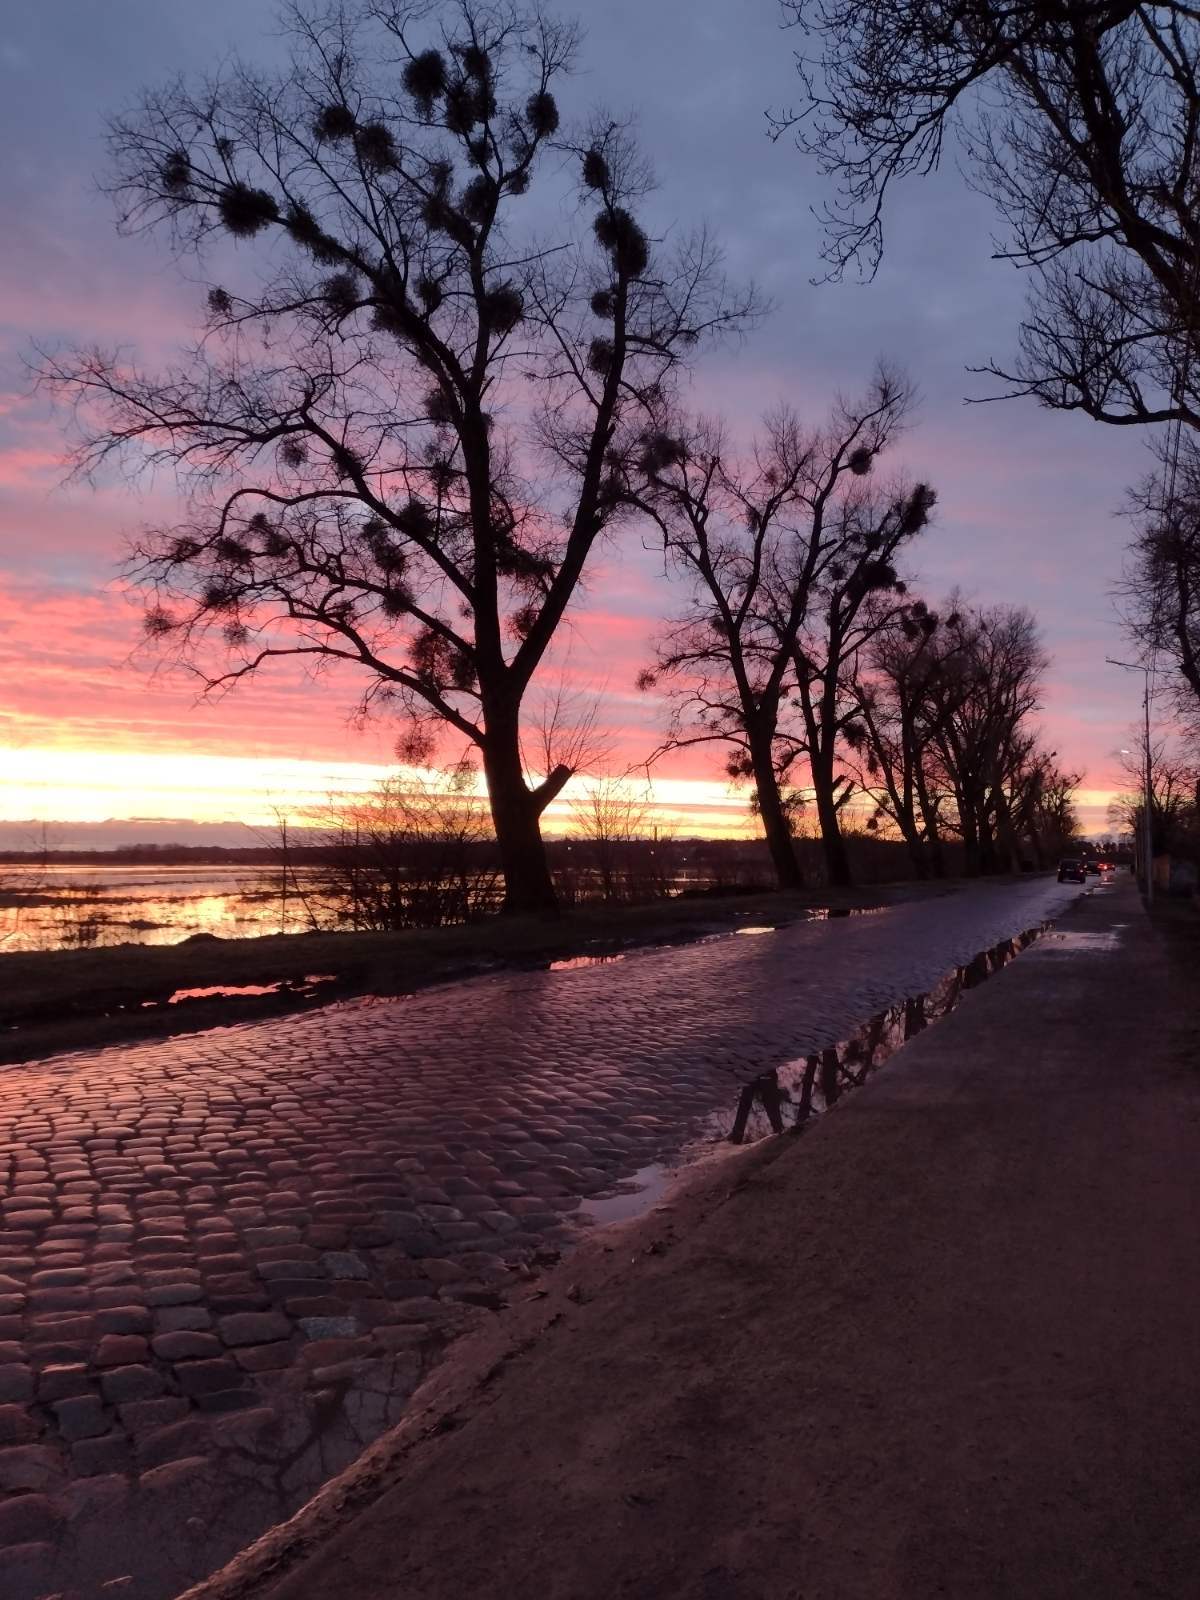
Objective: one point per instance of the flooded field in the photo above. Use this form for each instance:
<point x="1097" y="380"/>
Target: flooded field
<point x="75" y="907"/>
<point x="81" y="907"/>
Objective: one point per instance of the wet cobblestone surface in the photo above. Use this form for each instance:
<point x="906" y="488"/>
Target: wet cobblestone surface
<point x="226" y="1259"/>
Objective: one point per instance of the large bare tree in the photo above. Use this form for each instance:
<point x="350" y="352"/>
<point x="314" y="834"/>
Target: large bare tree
<point x="404" y="430"/>
<point x="1081" y="122"/>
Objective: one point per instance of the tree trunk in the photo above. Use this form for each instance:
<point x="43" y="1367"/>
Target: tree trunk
<point x="989" y="860"/>
<point x="929" y="821"/>
<point x="972" y="853"/>
<point x="937" y="856"/>
<point x="837" y="861"/>
<point x="515" y="817"/>
<point x="1007" y="846"/>
<point x="911" y="833"/>
<point x="776" y="826"/>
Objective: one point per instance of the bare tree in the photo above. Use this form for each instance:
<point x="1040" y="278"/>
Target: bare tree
<point x="985" y="743"/>
<point x="944" y="702"/>
<point x="413" y="852"/>
<point x="1161" y="587"/>
<point x="1037" y="813"/>
<point x="1081" y="122"/>
<point x="1055" y="822"/>
<point x="859" y="595"/>
<point x="610" y="813"/>
<point x="401" y="444"/>
<point x="900" y="716"/>
<point x="758" y="541"/>
<point x="1174" y="798"/>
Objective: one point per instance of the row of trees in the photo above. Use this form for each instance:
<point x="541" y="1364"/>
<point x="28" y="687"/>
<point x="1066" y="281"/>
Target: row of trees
<point x="406" y="427"/>
<point x="805" y="652"/>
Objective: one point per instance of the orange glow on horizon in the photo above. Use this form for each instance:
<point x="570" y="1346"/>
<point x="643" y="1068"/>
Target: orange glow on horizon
<point x="66" y="785"/>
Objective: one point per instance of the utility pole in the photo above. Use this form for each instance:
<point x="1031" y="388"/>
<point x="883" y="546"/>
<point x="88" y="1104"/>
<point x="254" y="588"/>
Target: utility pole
<point x="1148" y="789"/>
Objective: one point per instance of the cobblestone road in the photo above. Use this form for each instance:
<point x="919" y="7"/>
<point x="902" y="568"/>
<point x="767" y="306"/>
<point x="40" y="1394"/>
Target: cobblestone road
<point x="225" y="1258"/>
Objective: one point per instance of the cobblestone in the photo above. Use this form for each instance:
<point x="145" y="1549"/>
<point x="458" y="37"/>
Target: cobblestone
<point x="200" y="1229"/>
<point x="27" y="1518"/>
<point x="82" y="1417"/>
<point x="110" y="1453"/>
<point x="16" y="1382"/>
<point x="17" y="1425"/>
<point x="28" y="1466"/>
<point x="253" y="1327"/>
<point x="123" y="1384"/>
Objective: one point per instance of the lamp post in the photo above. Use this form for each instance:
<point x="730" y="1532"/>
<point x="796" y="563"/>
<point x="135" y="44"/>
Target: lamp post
<point x="1148" y="792"/>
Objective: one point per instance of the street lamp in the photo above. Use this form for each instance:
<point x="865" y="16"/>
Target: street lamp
<point x="1148" y="793"/>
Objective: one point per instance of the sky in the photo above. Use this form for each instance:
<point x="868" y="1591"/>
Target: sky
<point x="92" y="733"/>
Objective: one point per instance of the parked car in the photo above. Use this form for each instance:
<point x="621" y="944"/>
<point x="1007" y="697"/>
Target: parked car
<point x="1072" y="871"/>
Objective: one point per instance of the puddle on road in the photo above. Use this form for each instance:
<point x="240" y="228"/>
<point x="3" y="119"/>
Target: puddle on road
<point x="811" y="1084"/>
<point x="1069" y="944"/>
<point x="812" y="914"/>
<point x="635" y="1195"/>
<point x="233" y="991"/>
<point x="220" y="991"/>
<point x="578" y="963"/>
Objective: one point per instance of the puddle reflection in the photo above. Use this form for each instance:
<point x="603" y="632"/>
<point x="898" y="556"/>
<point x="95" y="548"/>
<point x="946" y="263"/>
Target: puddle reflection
<point x="811" y="1084"/>
<point x="232" y="991"/>
<point x="1076" y="943"/>
<point x="577" y="963"/>
<point x="635" y="1195"/>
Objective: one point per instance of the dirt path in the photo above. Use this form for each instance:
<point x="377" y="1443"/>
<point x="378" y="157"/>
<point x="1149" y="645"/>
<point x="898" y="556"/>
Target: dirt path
<point x="943" y="1344"/>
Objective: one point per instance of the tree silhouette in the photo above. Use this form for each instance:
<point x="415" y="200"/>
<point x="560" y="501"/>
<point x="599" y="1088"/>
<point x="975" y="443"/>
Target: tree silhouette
<point x="1161" y="585"/>
<point x="899" y="716"/>
<point x="401" y="442"/>
<point x="860" y="593"/>
<point x="761" y="541"/>
<point x="1081" y="123"/>
<point x="610" y="813"/>
<point x="985" y="749"/>
<point x="1174" y="799"/>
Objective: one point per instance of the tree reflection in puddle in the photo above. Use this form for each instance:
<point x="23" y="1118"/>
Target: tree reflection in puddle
<point x="813" y="1083"/>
